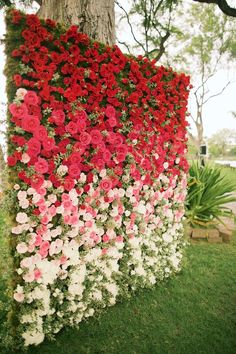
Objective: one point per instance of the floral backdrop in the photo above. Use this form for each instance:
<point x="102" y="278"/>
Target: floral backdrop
<point x="97" y="144"/>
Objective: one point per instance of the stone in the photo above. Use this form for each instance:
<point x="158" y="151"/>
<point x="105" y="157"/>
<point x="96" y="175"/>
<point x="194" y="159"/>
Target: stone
<point x="212" y="233"/>
<point x="225" y="234"/>
<point x="199" y="233"/>
<point x="188" y="230"/>
<point x="215" y="240"/>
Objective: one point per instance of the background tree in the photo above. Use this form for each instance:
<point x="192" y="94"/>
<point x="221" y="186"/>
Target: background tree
<point x="220" y="144"/>
<point x="207" y="47"/>
<point x="155" y="25"/>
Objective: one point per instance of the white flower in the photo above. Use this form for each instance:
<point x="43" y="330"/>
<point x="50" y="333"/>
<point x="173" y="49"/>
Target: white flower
<point x="16" y="187"/>
<point x="62" y="170"/>
<point x="22" y="247"/>
<point x="167" y="237"/>
<point x="20" y="93"/>
<point x="103" y="173"/>
<point x="141" y="209"/>
<point x="177" y="160"/>
<point x="25" y="158"/>
<point x="22" y="218"/>
<point x="165" y="165"/>
<point x="33" y="337"/>
<point x="82" y="178"/>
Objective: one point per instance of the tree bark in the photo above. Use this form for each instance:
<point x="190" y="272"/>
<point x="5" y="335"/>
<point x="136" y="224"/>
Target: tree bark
<point x="96" y="18"/>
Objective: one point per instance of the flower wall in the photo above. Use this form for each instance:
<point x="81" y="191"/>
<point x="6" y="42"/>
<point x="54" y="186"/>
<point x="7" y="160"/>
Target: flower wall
<point x="97" y="144"/>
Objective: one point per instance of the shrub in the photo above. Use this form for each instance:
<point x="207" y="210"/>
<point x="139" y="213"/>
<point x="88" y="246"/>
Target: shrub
<point x="208" y="192"/>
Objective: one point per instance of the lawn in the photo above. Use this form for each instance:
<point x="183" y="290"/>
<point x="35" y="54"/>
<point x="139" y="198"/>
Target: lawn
<point x="195" y="312"/>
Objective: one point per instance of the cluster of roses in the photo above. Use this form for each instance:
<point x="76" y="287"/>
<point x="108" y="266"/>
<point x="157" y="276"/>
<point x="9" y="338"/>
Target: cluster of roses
<point x="98" y="142"/>
<point x="102" y="103"/>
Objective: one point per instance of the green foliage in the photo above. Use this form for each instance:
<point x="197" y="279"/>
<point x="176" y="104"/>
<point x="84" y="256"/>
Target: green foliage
<point x="219" y="142"/>
<point x="208" y="193"/>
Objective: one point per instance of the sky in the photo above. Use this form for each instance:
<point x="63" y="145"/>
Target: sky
<point x="217" y="112"/>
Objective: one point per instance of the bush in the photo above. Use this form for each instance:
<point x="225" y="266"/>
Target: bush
<point x="208" y="194"/>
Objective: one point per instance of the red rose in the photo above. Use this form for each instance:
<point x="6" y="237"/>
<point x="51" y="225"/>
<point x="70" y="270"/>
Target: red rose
<point x="32" y="21"/>
<point x="69" y="183"/>
<point x="50" y="23"/>
<point x="41" y="166"/>
<point x="11" y="160"/>
<point x="41" y="133"/>
<point x="89" y="177"/>
<point x="81" y="125"/>
<point x="48" y="144"/>
<point x="30" y="124"/>
<point x="19" y="140"/>
<point x="34" y="147"/>
<point x="96" y="136"/>
<point x="74" y="171"/>
<point x="71" y="128"/>
<point x="115" y="139"/>
<point x="18" y="79"/>
<point x="58" y="116"/>
<point x="81" y="115"/>
<point x="120" y="157"/>
<point x="36" y="181"/>
<point x="18" y="111"/>
<point x="31" y="98"/>
<point x="75" y="158"/>
<point x="86" y="188"/>
<point x="85" y="138"/>
<point x="106" y="184"/>
<point x="112" y="122"/>
<point x="110" y="112"/>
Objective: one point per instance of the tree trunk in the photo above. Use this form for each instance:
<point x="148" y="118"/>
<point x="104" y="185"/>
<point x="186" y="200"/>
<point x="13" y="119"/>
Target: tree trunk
<point x="94" y="17"/>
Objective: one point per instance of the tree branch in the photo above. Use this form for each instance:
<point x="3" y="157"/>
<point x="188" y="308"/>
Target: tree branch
<point x="130" y="25"/>
<point x="219" y="93"/>
<point x="223" y="5"/>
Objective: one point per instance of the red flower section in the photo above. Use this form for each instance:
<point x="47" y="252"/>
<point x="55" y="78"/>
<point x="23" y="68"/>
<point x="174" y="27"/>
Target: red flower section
<point x="88" y="107"/>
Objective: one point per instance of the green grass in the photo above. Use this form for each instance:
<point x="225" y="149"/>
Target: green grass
<point x="195" y="312"/>
<point x="229" y="173"/>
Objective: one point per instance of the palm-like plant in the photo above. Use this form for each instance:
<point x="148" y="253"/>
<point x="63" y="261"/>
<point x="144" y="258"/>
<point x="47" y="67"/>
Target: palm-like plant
<point x="208" y="192"/>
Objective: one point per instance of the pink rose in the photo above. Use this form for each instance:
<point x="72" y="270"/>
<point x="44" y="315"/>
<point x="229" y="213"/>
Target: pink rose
<point x="112" y="122"/>
<point x="105" y="238"/>
<point x="85" y="138"/>
<point x="58" y="116"/>
<point x="19" y="297"/>
<point x="49" y="144"/>
<point x="34" y="147"/>
<point x="41" y="133"/>
<point x="74" y="171"/>
<point x="106" y="155"/>
<point x="18" y="111"/>
<point x="44" y="247"/>
<point x="96" y="136"/>
<point x="31" y="98"/>
<point x="81" y="125"/>
<point x="30" y="123"/>
<point x="41" y="166"/>
<point x="37" y="274"/>
<point x="69" y="183"/>
<point x="120" y="157"/>
<point x="106" y="184"/>
<point x="81" y="115"/>
<point x="71" y="128"/>
<point x="110" y="111"/>
<point x="36" y="181"/>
